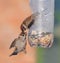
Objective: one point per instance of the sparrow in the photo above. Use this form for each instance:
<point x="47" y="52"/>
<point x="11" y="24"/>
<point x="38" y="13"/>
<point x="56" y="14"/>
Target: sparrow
<point x="19" y="44"/>
<point x="29" y="21"/>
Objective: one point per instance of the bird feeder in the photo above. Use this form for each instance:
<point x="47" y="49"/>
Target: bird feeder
<point x="41" y="32"/>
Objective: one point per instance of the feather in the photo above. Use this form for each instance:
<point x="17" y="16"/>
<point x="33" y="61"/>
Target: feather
<point x="13" y="44"/>
<point x="29" y="21"/>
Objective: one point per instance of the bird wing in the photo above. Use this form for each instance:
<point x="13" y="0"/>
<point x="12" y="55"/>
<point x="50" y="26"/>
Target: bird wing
<point x="13" y="43"/>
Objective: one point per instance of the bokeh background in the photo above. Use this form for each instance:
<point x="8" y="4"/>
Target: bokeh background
<point x="52" y="55"/>
<point x="12" y="14"/>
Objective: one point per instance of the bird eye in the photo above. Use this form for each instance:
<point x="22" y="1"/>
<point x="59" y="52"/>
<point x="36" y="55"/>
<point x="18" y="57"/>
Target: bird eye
<point x="23" y="35"/>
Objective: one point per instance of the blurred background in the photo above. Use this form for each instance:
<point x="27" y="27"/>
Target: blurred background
<point x="52" y="55"/>
<point x="12" y="14"/>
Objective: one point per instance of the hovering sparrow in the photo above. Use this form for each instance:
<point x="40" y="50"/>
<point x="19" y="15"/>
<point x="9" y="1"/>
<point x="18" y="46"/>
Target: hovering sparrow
<point x="19" y="44"/>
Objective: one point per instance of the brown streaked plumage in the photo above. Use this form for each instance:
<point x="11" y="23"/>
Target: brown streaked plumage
<point x="29" y="21"/>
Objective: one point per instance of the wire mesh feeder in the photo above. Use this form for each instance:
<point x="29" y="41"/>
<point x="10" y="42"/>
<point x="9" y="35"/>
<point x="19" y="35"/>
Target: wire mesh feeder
<point x="44" y="40"/>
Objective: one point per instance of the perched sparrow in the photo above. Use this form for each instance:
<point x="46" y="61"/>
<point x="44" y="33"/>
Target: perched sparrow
<point x="19" y="44"/>
<point x="29" y="21"/>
